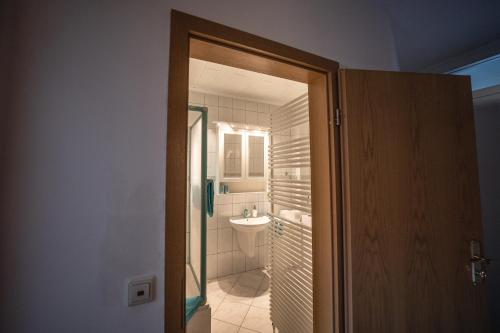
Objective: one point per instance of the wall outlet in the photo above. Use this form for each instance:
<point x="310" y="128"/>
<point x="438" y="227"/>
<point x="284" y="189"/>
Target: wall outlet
<point x="140" y="290"/>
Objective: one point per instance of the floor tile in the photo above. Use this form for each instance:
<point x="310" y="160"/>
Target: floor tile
<point x="222" y="327"/>
<point x="226" y="283"/>
<point x="215" y="295"/>
<point x="265" y="283"/>
<point x="261" y="299"/>
<point x="250" y="279"/>
<point x="231" y="312"/>
<point x="257" y="319"/>
<point x="214" y="301"/>
<point x="216" y="290"/>
<point x="240" y="303"/>
<point x="241" y="294"/>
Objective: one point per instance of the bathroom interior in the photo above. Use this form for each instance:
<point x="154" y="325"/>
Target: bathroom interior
<point x="248" y="212"/>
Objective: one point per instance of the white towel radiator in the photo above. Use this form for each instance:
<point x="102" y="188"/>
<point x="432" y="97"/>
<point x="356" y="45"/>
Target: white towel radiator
<point x="290" y="232"/>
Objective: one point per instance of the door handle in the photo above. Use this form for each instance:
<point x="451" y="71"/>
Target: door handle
<point x="477" y="264"/>
<point x="480" y="260"/>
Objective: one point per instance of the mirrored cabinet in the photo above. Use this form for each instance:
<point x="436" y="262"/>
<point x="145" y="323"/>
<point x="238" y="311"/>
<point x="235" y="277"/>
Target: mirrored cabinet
<point x="232" y="155"/>
<point x="255" y="156"/>
<point x="242" y="155"/>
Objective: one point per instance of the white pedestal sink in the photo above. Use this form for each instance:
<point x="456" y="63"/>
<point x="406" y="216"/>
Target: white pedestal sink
<point x="246" y="231"/>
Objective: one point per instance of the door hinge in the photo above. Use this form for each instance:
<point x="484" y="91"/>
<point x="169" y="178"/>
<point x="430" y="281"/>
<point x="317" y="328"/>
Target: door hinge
<point x="337" y="117"/>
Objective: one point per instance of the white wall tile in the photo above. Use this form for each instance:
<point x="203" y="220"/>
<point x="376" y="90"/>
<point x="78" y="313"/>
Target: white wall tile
<point x="238" y="209"/>
<point x="264" y="108"/>
<point x="196" y="98"/>
<point x="263" y="255"/>
<point x="213" y="115"/>
<point x="212" y="241"/>
<point x="211" y="100"/>
<point x="238" y="116"/>
<point x="252" y="117"/>
<point x="225" y="102"/>
<point x="272" y="108"/>
<point x="225" y="114"/>
<point x="212" y="220"/>
<point x="251" y="106"/>
<point x="252" y="263"/>
<point x="225" y="240"/>
<point x="211" y="266"/>
<point x="211" y="164"/>
<point x="223" y="199"/>
<point x="238" y="262"/>
<point x="236" y="246"/>
<point x="264" y="119"/>
<point x="223" y="214"/>
<point x="238" y="104"/>
<point x="251" y="205"/>
<point x="238" y="198"/>
<point x="224" y="264"/>
<point x="252" y="197"/>
<point x="212" y="140"/>
<point x="261" y="208"/>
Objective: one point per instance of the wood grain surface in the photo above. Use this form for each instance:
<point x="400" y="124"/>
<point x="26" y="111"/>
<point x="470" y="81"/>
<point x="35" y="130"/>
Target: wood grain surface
<point x="411" y="203"/>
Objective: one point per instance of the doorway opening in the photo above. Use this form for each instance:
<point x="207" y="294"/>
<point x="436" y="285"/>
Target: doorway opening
<point x="252" y="179"/>
<point x="258" y="212"/>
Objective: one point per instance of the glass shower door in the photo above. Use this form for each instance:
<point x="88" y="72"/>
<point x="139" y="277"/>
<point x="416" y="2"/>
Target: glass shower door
<point x="196" y="210"/>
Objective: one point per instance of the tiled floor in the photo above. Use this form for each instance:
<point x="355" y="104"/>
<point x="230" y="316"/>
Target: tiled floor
<point x="240" y="303"/>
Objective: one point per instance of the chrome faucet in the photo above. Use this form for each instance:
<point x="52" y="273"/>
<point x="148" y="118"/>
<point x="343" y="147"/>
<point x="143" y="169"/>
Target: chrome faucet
<point x="246" y="213"/>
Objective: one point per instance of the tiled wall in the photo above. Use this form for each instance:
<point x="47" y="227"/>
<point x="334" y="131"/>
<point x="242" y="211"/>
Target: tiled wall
<point x="223" y="254"/>
<point x="228" y="109"/>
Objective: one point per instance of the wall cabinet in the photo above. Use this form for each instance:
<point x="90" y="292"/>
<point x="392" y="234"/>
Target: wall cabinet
<point x="242" y="155"/>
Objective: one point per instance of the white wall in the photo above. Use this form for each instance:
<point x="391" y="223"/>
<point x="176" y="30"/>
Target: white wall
<point x="487" y="118"/>
<point x="83" y="199"/>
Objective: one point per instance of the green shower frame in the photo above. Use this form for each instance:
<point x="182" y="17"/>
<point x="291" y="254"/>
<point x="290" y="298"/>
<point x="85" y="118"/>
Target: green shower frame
<point x="193" y="303"/>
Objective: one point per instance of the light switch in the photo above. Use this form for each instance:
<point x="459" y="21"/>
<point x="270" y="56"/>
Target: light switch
<point x="140" y="290"/>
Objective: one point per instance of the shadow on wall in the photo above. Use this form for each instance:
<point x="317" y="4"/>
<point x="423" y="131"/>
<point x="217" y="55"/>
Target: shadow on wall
<point x="487" y="117"/>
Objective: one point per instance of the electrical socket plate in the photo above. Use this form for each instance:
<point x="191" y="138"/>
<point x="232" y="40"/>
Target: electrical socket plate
<point x="140" y="290"/>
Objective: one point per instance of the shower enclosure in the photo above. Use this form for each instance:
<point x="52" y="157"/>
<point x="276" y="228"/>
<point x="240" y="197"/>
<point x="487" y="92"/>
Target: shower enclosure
<point x="196" y="210"/>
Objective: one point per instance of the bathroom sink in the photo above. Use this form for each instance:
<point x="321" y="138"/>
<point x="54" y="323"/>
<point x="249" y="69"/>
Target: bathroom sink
<point x="246" y="231"/>
<point x="249" y="224"/>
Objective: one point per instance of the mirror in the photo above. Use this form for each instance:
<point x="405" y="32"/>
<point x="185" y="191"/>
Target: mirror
<point x="256" y="156"/>
<point x="232" y="155"/>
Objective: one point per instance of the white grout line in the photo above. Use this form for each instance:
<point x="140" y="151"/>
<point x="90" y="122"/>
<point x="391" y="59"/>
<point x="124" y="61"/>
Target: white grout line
<point x="249" y="305"/>
<point x="244" y="318"/>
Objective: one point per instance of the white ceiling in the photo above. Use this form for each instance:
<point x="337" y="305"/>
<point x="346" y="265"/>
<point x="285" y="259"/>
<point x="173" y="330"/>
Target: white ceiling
<point x="209" y="77"/>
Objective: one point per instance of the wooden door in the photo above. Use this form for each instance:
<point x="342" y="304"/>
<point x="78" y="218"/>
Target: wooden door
<point x="411" y="203"/>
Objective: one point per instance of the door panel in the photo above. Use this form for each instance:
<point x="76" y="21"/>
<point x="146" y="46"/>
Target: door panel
<point x="411" y="203"/>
